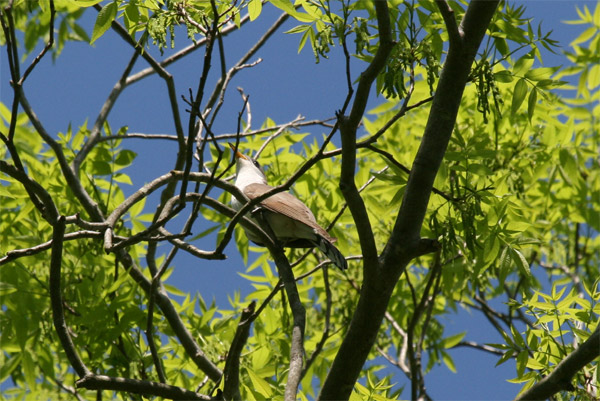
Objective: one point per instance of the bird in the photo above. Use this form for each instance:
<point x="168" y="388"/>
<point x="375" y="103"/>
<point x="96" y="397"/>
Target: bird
<point x="290" y="220"/>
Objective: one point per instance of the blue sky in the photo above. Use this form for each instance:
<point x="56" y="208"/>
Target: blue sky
<point x="286" y="84"/>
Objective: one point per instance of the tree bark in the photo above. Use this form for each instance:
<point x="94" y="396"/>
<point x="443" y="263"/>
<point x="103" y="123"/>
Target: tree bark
<point x="405" y="242"/>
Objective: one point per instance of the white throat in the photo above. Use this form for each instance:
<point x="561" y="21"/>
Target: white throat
<point x="248" y="173"/>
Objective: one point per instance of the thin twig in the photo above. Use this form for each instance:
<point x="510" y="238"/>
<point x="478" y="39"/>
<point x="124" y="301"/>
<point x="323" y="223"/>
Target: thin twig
<point x="48" y="46"/>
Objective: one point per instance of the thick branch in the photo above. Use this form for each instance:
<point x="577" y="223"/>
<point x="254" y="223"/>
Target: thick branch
<point x="405" y="242"/>
<point x="560" y="378"/>
<point x="444" y="109"/>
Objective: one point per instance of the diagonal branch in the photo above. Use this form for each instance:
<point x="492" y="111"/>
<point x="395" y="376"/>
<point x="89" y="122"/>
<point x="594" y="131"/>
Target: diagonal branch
<point x="231" y="373"/>
<point x="450" y="21"/>
<point x="561" y="376"/>
<point x="438" y="131"/>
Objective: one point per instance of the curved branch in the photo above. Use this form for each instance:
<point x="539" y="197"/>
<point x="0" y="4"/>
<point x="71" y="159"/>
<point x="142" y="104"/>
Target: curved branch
<point x="56" y="301"/>
<point x="348" y="127"/>
<point x="170" y="313"/>
<point x="48" y="46"/>
<point x="90" y="206"/>
<point x="49" y="210"/>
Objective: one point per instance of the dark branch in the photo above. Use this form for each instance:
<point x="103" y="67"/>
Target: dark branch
<point x="231" y="373"/>
<point x="146" y="388"/>
<point x="348" y="127"/>
<point x="56" y="301"/>
<point x="561" y="376"/>
<point x="450" y="21"/>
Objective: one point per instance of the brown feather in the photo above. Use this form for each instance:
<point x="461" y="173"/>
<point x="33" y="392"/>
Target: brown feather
<point x="288" y="205"/>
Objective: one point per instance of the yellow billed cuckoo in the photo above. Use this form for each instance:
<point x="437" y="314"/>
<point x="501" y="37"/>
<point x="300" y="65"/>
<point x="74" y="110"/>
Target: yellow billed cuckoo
<point x="291" y="221"/>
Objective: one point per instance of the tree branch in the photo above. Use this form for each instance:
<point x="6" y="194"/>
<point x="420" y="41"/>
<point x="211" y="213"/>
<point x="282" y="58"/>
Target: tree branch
<point x="404" y="243"/>
<point x="450" y="21"/>
<point x="146" y="388"/>
<point x="444" y="109"/>
<point x="56" y="301"/>
<point x="348" y="126"/>
<point x="231" y="373"/>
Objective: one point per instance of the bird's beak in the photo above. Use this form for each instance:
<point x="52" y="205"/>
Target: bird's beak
<point x="237" y="153"/>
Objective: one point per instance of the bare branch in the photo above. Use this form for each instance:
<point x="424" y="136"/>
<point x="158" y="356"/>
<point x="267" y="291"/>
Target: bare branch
<point x="325" y="334"/>
<point x="182" y="53"/>
<point x="168" y="309"/>
<point x="90" y="206"/>
<point x="101" y="382"/>
<point x="95" y="135"/>
<point x="481" y="347"/>
<point x="221" y="85"/>
<point x="18" y="253"/>
<point x="48" y="46"/>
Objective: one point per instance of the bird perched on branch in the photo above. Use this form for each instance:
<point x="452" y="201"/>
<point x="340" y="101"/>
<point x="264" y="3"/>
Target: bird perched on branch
<point x="291" y="221"/>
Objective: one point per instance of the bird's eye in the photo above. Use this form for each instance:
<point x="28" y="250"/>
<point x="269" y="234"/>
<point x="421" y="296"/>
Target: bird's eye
<point x="256" y="163"/>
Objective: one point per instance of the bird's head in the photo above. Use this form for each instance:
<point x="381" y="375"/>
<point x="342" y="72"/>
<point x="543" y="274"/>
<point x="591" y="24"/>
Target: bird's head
<point x="248" y="171"/>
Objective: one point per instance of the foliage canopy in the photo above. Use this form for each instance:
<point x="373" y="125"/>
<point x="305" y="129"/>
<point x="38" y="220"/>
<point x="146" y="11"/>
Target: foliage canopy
<point x="492" y="207"/>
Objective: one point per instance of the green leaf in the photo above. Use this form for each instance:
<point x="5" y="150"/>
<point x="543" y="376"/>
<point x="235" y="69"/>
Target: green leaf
<point x="522" y="360"/>
<point x="452" y="340"/>
<point x="254" y="9"/>
<point x="284" y="5"/>
<point x="309" y="33"/>
<point x="105" y="17"/>
<point x="585" y="36"/>
<point x="260" y="385"/>
<point x="519" y="94"/>
<point x="503" y="76"/>
<point x="531" y="103"/>
<point x="523" y="65"/>
<point x="125" y="157"/>
<point x="537" y="74"/>
<point x="9" y="365"/>
<point x="87" y="3"/>
<point x="448" y="361"/>
<point x="520" y="261"/>
<point x="288" y="7"/>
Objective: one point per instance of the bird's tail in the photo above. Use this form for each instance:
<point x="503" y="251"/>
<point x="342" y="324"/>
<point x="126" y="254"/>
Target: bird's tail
<point x="331" y="252"/>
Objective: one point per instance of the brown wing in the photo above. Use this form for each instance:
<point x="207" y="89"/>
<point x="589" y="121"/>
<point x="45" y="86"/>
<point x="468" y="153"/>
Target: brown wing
<point x="288" y="205"/>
